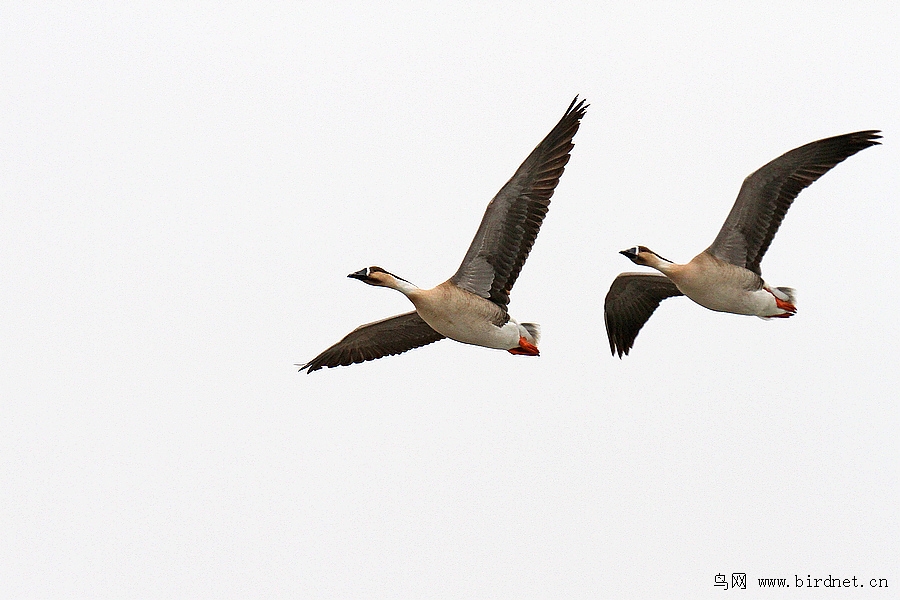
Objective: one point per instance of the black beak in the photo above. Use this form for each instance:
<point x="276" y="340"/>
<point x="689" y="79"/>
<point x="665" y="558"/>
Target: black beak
<point x="631" y="253"/>
<point x="362" y="275"/>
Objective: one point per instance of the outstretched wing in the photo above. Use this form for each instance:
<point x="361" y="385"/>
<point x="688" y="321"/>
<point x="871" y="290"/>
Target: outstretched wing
<point x="393" y="335"/>
<point x="513" y="218"/>
<point x="767" y="194"/>
<point x="631" y="300"/>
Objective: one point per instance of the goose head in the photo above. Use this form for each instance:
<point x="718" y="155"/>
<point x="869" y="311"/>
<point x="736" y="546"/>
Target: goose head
<point x="378" y="277"/>
<point x="642" y="255"/>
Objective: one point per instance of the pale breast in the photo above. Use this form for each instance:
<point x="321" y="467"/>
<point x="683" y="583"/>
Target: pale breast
<point x="721" y="286"/>
<point x="465" y="317"/>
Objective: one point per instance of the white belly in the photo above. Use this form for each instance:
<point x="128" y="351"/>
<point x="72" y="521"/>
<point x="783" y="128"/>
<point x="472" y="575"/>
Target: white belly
<point x="482" y="333"/>
<point x="468" y="320"/>
<point x="725" y="288"/>
<point x="733" y="300"/>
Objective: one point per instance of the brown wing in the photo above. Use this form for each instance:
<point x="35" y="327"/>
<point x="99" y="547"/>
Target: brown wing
<point x="513" y="218"/>
<point x="631" y="300"/>
<point x="393" y="335"/>
<point x="767" y="194"/>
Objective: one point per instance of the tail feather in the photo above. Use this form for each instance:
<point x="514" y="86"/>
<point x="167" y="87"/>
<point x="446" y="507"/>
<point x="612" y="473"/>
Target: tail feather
<point x="534" y="330"/>
<point x="785" y="293"/>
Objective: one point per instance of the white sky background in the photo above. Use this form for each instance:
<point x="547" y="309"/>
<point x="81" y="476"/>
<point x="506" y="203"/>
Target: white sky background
<point x="185" y="188"/>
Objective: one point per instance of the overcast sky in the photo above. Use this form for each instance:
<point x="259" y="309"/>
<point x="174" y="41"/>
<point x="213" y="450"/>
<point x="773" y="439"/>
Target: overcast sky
<point x="185" y="188"/>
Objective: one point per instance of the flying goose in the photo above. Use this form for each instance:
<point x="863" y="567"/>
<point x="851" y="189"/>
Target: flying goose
<point x="471" y="306"/>
<point x="726" y="277"/>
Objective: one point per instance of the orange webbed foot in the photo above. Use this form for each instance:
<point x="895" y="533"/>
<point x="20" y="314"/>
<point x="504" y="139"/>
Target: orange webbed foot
<point x="525" y="348"/>
<point x="786" y="306"/>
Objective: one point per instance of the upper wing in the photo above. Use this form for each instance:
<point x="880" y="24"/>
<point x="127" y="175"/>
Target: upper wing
<point x="513" y="218"/>
<point x="767" y="194"/>
<point x="631" y="300"/>
<point x="374" y="340"/>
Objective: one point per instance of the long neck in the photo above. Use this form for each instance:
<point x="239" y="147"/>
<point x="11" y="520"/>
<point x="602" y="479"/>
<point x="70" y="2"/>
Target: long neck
<point x="662" y="265"/>
<point x="401" y="285"/>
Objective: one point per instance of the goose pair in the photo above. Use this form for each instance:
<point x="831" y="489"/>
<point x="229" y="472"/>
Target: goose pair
<point x="471" y="307"/>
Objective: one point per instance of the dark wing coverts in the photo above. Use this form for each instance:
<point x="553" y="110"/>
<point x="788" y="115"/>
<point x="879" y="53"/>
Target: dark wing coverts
<point x="767" y="194"/>
<point x="393" y="335"/>
<point x="631" y="300"/>
<point x="513" y="218"/>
